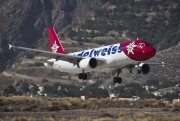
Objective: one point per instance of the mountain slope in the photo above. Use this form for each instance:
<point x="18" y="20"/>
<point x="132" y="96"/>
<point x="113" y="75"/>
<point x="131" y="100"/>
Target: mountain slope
<point x="25" y="23"/>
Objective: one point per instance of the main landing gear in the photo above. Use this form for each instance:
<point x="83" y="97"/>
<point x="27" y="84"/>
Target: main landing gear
<point x="118" y="79"/>
<point x="82" y="76"/>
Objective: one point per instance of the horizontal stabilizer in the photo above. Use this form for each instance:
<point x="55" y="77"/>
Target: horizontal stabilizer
<point x="10" y="46"/>
<point x="158" y="64"/>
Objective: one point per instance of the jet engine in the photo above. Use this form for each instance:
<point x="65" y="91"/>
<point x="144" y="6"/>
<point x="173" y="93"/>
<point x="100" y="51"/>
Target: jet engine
<point x="88" y="63"/>
<point x="141" y="69"/>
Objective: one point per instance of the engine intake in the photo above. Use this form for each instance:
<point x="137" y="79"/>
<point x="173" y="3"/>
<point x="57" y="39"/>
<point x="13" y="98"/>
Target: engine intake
<point x="145" y="69"/>
<point x="88" y="63"/>
<point x="141" y="69"/>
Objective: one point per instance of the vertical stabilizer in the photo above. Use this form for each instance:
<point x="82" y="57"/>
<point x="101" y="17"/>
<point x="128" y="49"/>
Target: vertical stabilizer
<point x="54" y="42"/>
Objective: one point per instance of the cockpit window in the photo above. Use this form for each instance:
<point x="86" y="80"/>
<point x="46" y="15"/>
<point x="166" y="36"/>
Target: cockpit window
<point x="147" y="44"/>
<point x="143" y="44"/>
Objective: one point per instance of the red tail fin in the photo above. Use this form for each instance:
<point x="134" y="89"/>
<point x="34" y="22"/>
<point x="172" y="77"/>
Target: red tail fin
<point x="54" y="42"/>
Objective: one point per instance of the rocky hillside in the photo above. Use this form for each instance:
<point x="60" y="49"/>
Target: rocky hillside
<point x="25" y="22"/>
<point x="94" y="21"/>
<point x="99" y="22"/>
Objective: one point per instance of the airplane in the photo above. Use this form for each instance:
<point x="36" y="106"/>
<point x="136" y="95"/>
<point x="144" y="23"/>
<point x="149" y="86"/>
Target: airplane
<point x="130" y="55"/>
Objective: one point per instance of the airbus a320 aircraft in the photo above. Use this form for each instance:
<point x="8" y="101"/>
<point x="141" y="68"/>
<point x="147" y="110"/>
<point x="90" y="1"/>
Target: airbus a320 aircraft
<point x="129" y="55"/>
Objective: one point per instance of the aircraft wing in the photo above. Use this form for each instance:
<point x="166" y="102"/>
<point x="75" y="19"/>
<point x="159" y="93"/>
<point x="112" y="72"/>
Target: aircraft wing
<point x="65" y="57"/>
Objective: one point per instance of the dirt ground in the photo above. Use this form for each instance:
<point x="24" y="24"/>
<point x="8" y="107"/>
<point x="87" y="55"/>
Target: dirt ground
<point x="114" y="112"/>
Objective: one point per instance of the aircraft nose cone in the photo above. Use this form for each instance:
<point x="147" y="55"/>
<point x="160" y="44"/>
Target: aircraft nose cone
<point x="149" y="53"/>
<point x="152" y="52"/>
<point x="146" y="54"/>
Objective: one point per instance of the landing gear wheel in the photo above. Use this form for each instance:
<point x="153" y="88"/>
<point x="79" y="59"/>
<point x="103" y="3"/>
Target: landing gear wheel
<point x="80" y="76"/>
<point x="139" y="71"/>
<point x="84" y="76"/>
<point x="117" y="80"/>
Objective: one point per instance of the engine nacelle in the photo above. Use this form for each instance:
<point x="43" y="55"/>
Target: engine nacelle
<point x="88" y="63"/>
<point x="145" y="69"/>
<point x="141" y="69"/>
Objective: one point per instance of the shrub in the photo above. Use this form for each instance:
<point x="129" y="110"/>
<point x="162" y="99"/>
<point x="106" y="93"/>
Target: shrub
<point x="106" y="115"/>
<point x="66" y="103"/>
<point x="175" y="109"/>
<point x="176" y="105"/>
<point x="44" y="80"/>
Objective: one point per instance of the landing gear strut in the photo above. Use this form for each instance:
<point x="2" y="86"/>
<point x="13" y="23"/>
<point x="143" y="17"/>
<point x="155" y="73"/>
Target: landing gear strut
<point x="118" y="79"/>
<point x="82" y="76"/>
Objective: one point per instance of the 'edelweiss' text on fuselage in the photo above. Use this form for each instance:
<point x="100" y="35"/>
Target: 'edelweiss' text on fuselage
<point x="108" y="50"/>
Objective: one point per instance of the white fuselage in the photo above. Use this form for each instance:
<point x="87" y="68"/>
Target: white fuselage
<point x="112" y="54"/>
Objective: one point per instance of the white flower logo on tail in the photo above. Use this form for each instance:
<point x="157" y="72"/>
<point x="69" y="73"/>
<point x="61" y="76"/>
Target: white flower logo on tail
<point x="54" y="47"/>
<point x="130" y="47"/>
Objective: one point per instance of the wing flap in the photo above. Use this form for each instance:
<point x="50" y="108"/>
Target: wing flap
<point x="40" y="61"/>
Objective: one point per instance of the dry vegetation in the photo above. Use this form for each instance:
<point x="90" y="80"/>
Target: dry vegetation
<point x="140" y="117"/>
<point x="21" y="103"/>
<point x="26" y="104"/>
